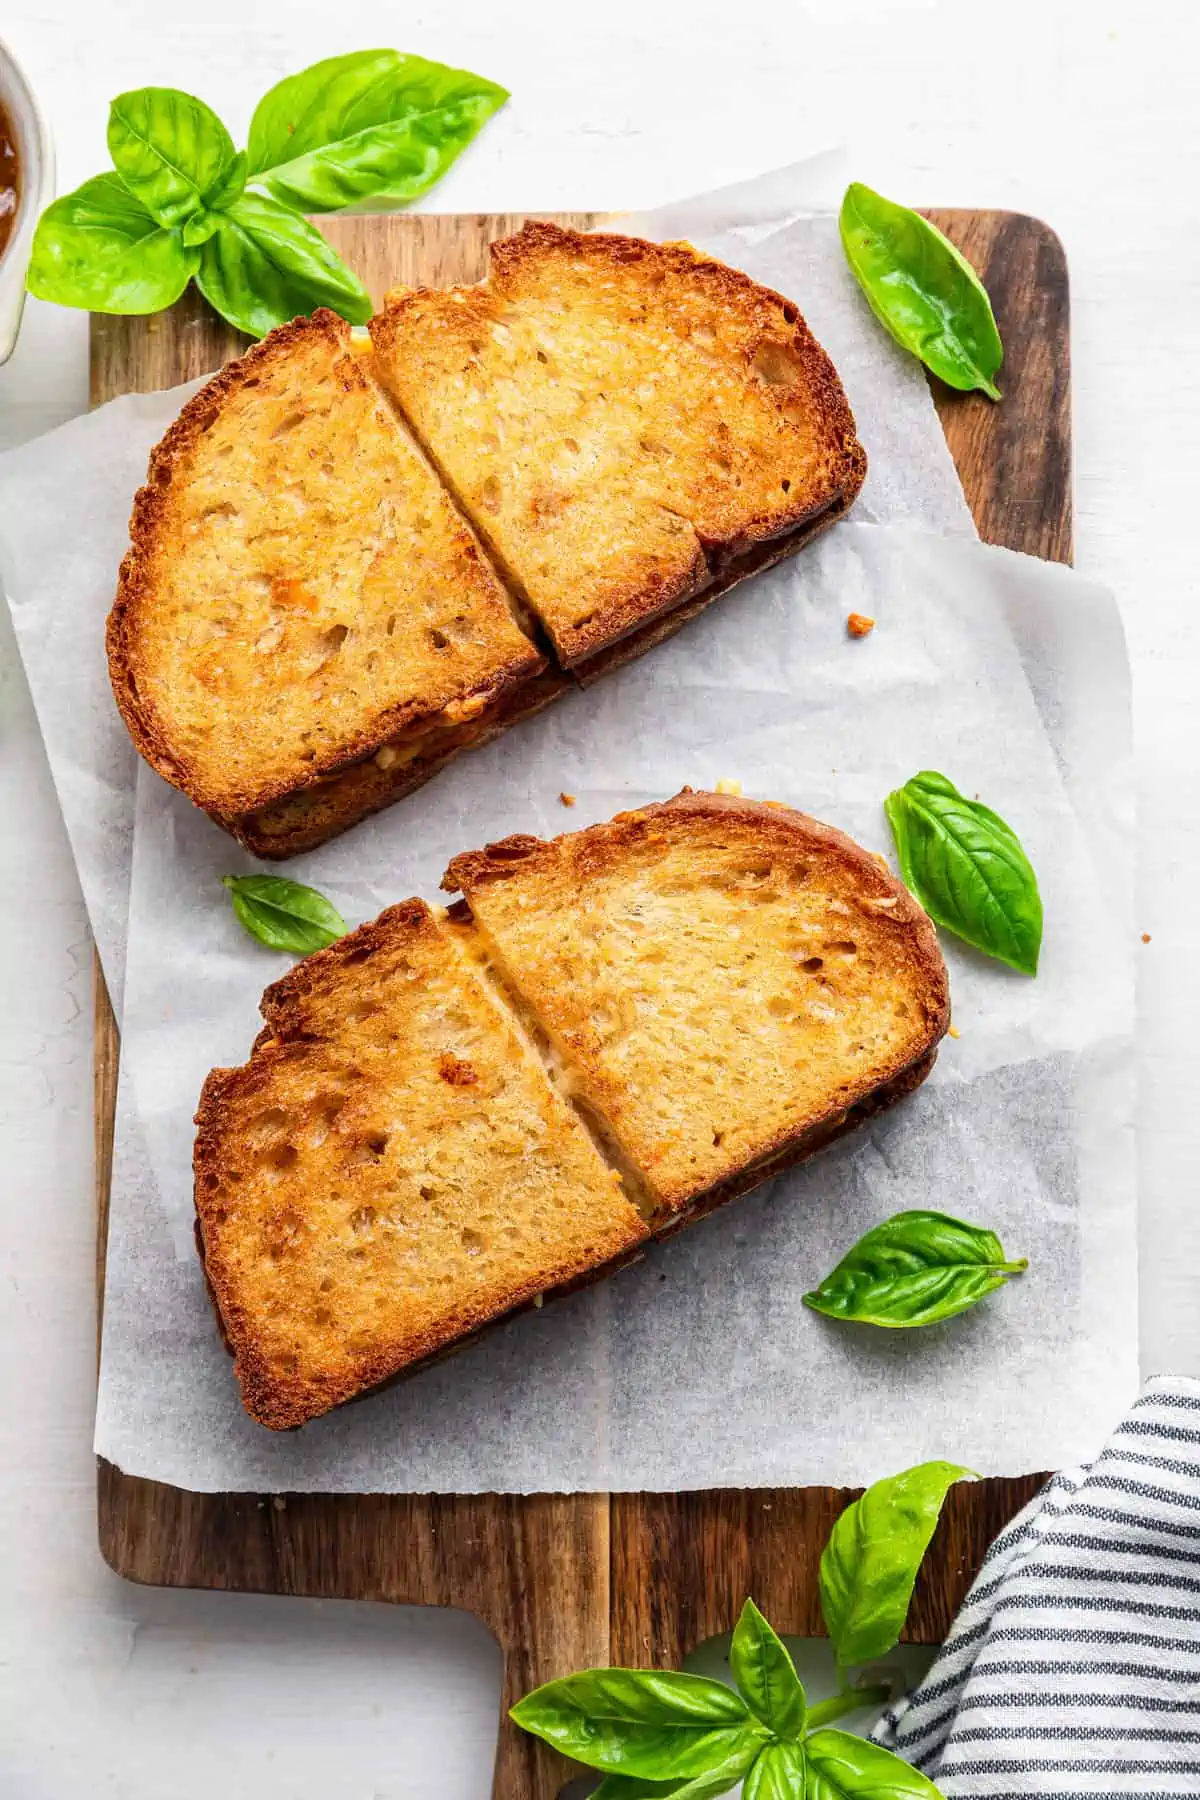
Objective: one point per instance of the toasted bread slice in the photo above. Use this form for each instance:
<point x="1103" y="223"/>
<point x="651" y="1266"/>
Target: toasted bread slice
<point x="299" y="590"/>
<point x="718" y="978"/>
<point x="622" y="421"/>
<point x="615" y="1033"/>
<point x="390" y="1171"/>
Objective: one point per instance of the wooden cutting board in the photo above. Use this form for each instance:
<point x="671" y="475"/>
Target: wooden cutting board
<point x="568" y="1581"/>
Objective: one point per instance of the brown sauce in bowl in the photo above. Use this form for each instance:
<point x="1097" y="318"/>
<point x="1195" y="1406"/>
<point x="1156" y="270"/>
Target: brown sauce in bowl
<point x="10" y="179"/>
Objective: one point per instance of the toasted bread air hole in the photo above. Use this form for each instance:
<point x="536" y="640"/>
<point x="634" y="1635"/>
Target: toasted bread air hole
<point x="330" y="642"/>
<point x="280" y="1158"/>
<point x="777" y="365"/>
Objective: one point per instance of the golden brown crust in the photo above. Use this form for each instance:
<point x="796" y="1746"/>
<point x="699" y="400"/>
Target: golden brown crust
<point x="225" y="797"/>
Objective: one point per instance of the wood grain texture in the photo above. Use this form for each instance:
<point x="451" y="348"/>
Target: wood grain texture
<point x="565" y="1581"/>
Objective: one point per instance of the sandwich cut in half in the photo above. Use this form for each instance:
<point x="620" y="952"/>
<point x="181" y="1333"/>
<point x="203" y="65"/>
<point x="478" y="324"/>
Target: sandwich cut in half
<point x="610" y="1034"/>
<point x="348" y="565"/>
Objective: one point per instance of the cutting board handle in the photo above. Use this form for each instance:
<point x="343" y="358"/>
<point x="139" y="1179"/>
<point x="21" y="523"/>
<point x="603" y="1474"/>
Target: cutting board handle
<point x="526" y="1769"/>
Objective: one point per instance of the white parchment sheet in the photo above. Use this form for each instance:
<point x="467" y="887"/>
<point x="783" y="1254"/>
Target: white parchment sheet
<point x="699" y="1366"/>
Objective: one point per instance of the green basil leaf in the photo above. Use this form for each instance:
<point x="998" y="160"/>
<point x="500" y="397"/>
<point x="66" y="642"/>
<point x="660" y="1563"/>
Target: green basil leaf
<point x="967" y="869"/>
<point x="99" y="248"/>
<point x="171" y="151"/>
<point x="718" y="1780"/>
<point x="869" y="1566"/>
<point x="643" y="1722"/>
<point x="914" y="1269"/>
<point x="282" y="914"/>
<point x="265" y="265"/>
<point x="779" y="1774"/>
<point x="766" y="1675"/>
<point x="922" y="289"/>
<point x="843" y="1767"/>
<point x="375" y="125"/>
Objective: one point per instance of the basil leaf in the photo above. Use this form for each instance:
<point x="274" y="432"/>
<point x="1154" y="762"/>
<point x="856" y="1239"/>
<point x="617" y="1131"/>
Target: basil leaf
<point x="699" y="1787"/>
<point x="282" y="914"/>
<point x="265" y="264"/>
<point x="922" y="289"/>
<point x="766" y="1675"/>
<point x="171" y="151"/>
<point x="375" y="125"/>
<point x="869" y="1566"/>
<point x="644" y="1722"/>
<point x="843" y="1767"/>
<point x="967" y="869"/>
<point x="914" y="1269"/>
<point x="201" y="226"/>
<point x="99" y="248"/>
<point x="779" y="1774"/>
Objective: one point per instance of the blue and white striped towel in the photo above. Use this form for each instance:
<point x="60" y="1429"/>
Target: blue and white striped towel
<point x="1073" y="1668"/>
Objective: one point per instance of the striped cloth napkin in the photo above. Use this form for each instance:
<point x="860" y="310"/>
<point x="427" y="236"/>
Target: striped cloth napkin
<point x="1074" y="1666"/>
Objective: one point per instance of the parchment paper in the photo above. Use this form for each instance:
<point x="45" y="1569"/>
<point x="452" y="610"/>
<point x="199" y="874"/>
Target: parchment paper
<point x="698" y="1367"/>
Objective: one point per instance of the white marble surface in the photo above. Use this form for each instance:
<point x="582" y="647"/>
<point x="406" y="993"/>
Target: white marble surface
<point x="1083" y="113"/>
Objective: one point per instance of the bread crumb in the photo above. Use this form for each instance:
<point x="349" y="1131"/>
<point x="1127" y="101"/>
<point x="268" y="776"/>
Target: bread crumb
<point x="1145" y="937"/>
<point x="953" y="1031"/>
<point x="566" y="799"/>
<point x="728" y="786"/>
<point x="456" y="1070"/>
<point x="279" y="1503"/>
<point x="858" y="624"/>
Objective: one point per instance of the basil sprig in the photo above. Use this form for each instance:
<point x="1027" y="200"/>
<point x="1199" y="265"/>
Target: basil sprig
<point x="921" y="289"/>
<point x="283" y="914"/>
<point x="660" y="1736"/>
<point x="182" y="203"/>
<point x="917" y="1268"/>
<point x="869" y="1566"/>
<point x="967" y="868"/>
